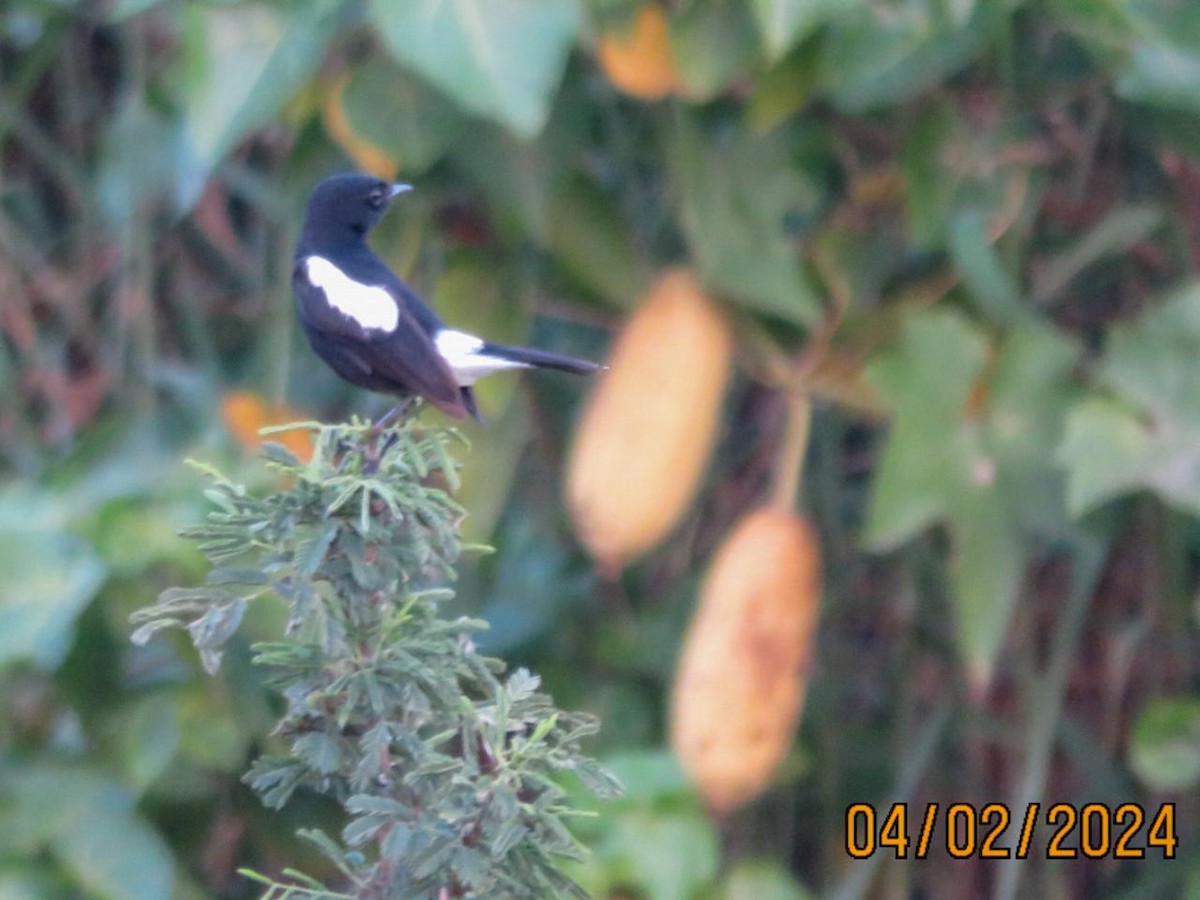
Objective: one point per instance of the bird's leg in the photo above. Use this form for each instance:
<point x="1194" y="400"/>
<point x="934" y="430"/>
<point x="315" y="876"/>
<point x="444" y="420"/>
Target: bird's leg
<point x="383" y="424"/>
<point x="386" y="420"/>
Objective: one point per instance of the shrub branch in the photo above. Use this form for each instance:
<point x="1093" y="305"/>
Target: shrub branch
<point x="448" y="768"/>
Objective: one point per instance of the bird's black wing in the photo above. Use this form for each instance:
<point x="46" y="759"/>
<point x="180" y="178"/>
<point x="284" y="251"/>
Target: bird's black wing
<point x="402" y="359"/>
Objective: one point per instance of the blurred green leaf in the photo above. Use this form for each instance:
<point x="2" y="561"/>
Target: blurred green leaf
<point x="146" y="158"/>
<point x="989" y="282"/>
<point x="986" y="569"/>
<point x="49" y="577"/>
<point x="130" y="538"/>
<point x="501" y="59"/>
<point x="974" y="454"/>
<point x="762" y="881"/>
<point x="1162" y="75"/>
<point x="668" y="856"/>
<point x="591" y="240"/>
<point x="489" y="469"/>
<point x="1174" y="131"/>
<point x="534" y="586"/>
<point x="1102" y="25"/>
<point x="736" y="193"/>
<point x="1029" y="394"/>
<point x="89" y="823"/>
<point x="714" y="42"/>
<point x="244" y="62"/>
<point x="932" y="185"/>
<point x="1119" y="230"/>
<point x="1155" y="361"/>
<point x="208" y="730"/>
<point x="42" y="801"/>
<point x="30" y="884"/>
<point x="1162" y="61"/>
<point x="872" y="59"/>
<point x="783" y="22"/>
<point x="652" y="777"/>
<point x="1164" y="746"/>
<point x="926" y="379"/>
<point x="123" y="9"/>
<point x="149" y="737"/>
<point x="658" y="803"/>
<point x="522" y="179"/>
<point x="858" y="262"/>
<point x="783" y="90"/>
<point x="1031" y="390"/>
<point x="1109" y="450"/>
<point x="117" y="857"/>
<point x="397" y="113"/>
<point x="1148" y="434"/>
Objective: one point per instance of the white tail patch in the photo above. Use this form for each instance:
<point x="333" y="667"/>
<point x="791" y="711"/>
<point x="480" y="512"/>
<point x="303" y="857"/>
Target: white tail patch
<point x="370" y="305"/>
<point x="461" y="352"/>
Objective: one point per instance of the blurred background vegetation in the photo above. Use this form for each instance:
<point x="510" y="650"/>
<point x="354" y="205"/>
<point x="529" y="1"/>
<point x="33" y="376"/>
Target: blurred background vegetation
<point x="967" y="230"/>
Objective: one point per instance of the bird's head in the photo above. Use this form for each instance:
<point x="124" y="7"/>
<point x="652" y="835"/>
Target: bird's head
<point x="345" y="207"/>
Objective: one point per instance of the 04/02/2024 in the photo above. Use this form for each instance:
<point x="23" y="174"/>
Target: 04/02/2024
<point x="1070" y="831"/>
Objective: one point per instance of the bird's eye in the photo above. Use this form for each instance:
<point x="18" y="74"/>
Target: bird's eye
<point x="375" y="198"/>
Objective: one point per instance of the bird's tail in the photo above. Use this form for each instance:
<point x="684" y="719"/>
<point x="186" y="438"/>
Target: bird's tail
<point x="541" y="359"/>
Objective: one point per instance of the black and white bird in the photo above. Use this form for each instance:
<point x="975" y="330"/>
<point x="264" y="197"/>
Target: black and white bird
<point x="370" y="327"/>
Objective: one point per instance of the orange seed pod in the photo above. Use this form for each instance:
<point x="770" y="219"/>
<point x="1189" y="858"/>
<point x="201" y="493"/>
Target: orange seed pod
<point x="742" y="675"/>
<point x="645" y="438"/>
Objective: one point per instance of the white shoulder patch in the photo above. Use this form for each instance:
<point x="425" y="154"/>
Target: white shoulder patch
<point x="370" y="305"/>
<point x="461" y="352"/>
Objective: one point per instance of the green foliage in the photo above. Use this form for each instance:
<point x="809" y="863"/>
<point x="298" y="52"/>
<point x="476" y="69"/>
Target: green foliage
<point x="89" y="824"/>
<point x="1146" y="433"/>
<point x="991" y="206"/>
<point x="1164" y="747"/>
<point x="783" y="22"/>
<point x="398" y="113"/>
<point x="497" y="58"/>
<point x="657" y="839"/>
<point x="446" y="769"/>
<point x="990" y="473"/>
<point x="243" y="63"/>
<point x="40" y="563"/>
<point x="730" y="213"/>
<point x="714" y="42"/>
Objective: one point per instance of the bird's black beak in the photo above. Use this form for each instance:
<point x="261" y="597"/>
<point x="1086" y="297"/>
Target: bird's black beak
<point x="398" y="189"/>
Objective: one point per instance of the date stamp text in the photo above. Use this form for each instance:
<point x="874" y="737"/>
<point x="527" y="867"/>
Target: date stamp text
<point x="993" y="831"/>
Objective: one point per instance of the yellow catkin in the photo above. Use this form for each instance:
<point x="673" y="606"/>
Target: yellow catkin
<point x="743" y="672"/>
<point x="645" y="437"/>
<point x="638" y="60"/>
